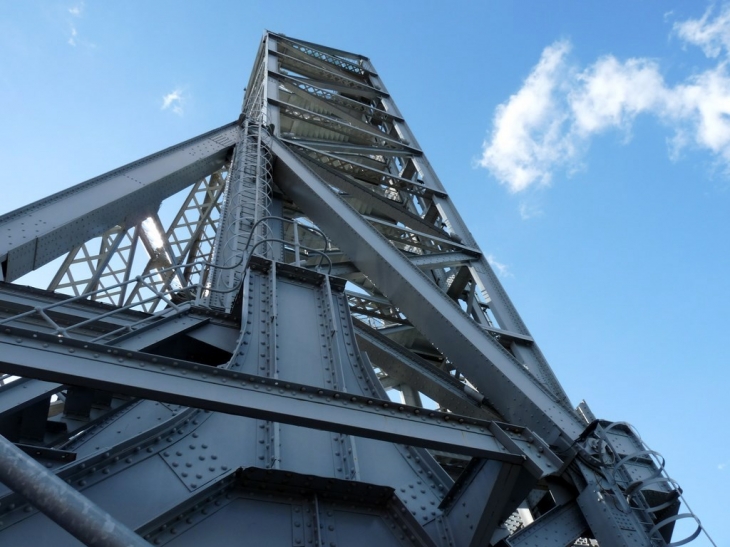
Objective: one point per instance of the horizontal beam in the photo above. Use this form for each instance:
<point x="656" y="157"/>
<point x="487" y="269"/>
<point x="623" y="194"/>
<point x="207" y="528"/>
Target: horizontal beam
<point x="507" y="335"/>
<point x="358" y="169"/>
<point x="36" y="355"/>
<point x="404" y="366"/>
<point x="327" y="76"/>
<point x="380" y="203"/>
<point x="24" y="392"/>
<point x="353" y="128"/>
<point x="442" y="260"/>
<point x="333" y="100"/>
<point x="126" y="328"/>
<point x="397" y="234"/>
<point x="325" y="49"/>
<point x="425" y="262"/>
<point x="65" y="310"/>
<point x="560" y="526"/>
<point x="37" y="233"/>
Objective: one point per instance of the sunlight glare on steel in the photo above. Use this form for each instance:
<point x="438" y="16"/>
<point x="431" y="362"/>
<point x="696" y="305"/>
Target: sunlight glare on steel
<point x="153" y="234"/>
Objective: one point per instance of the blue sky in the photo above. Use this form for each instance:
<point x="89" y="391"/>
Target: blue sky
<point x="587" y="145"/>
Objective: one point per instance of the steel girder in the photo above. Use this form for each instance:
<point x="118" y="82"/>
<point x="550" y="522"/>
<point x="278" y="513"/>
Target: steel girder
<point x="41" y="231"/>
<point x="233" y="381"/>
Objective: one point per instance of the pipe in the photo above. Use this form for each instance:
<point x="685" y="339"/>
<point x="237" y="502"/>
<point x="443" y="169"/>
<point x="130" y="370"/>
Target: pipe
<point x="60" y="502"/>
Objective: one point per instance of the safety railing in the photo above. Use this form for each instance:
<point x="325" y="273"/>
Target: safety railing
<point x="635" y="490"/>
<point x="178" y="299"/>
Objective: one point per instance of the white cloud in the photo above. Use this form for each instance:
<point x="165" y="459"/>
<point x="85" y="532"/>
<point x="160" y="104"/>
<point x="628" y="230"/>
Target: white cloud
<point x="610" y="94"/>
<point x="722" y="466"/>
<point x="551" y="120"/>
<point x="174" y="101"/>
<point x="711" y="35"/>
<point x="530" y="210"/>
<point x="701" y="107"/>
<point x="528" y="135"/>
<point x="501" y="269"/>
<point x="76" y="11"/>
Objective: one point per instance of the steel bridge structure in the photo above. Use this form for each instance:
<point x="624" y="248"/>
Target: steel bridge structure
<point x="282" y="333"/>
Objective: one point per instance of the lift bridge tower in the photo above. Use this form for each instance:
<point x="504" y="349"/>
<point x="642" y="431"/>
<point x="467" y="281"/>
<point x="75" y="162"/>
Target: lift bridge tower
<point x="210" y="365"/>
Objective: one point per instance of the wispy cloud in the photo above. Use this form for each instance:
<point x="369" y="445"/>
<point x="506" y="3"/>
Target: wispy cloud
<point x="72" y="39"/>
<point x="548" y="124"/>
<point x="722" y="466"/>
<point x="174" y="101"/>
<point x="529" y="209"/>
<point x="528" y="135"/>
<point x="712" y="35"/>
<point x="76" y="11"/>
<point x="501" y="269"/>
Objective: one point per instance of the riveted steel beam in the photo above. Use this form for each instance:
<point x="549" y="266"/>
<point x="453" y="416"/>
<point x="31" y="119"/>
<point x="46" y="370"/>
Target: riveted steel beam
<point x="498" y="375"/>
<point x="385" y="206"/>
<point x="484" y="495"/>
<point x="23" y="392"/>
<point x="403" y="366"/>
<point x="47" y="357"/>
<point x="38" y="233"/>
<point x="560" y="526"/>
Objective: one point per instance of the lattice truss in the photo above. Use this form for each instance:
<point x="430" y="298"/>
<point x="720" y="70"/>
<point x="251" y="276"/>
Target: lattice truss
<point x="161" y="254"/>
<point x="335" y="112"/>
<point x="294" y="296"/>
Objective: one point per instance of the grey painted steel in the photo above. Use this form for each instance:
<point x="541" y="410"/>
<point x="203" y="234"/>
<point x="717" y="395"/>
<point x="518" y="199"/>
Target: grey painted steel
<point x="443" y="260"/>
<point x="611" y="520"/>
<point x="16" y="299"/>
<point x="141" y="375"/>
<point x="21" y="393"/>
<point x="495" y="372"/>
<point x="42" y="231"/>
<point x="322" y="153"/>
<point x="560" y="526"/>
<point x="159" y="331"/>
<point x="294" y="440"/>
<point x="69" y="509"/>
<point x="500" y="303"/>
<point x="366" y="196"/>
<point x="271" y="507"/>
<point x="486" y="496"/>
<point x="134" y="329"/>
<point x="405" y="367"/>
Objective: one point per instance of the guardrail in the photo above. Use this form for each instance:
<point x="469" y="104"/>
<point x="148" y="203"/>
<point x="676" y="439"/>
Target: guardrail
<point x="177" y="299"/>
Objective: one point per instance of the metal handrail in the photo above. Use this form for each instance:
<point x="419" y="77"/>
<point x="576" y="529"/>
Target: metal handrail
<point x="634" y="490"/>
<point x="197" y="288"/>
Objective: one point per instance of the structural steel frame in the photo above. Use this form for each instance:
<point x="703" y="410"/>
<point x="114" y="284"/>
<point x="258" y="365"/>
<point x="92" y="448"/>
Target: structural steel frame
<point x="314" y="345"/>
